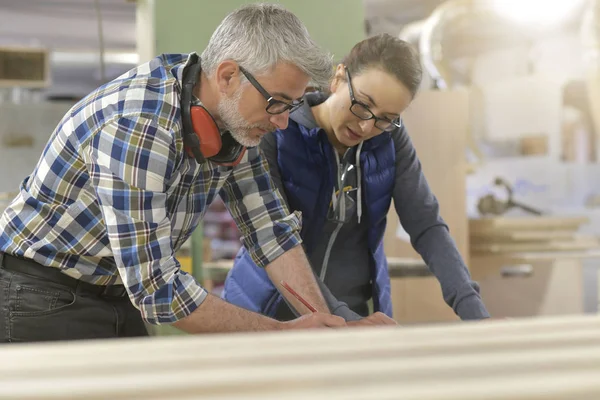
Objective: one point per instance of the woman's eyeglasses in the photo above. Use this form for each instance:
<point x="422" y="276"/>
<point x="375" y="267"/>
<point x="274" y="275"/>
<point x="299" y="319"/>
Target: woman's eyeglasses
<point x="362" y="111"/>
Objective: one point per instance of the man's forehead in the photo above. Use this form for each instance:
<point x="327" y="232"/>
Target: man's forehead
<point x="284" y="73"/>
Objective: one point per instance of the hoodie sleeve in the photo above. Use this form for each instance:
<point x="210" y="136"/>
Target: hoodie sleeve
<point x="419" y="214"/>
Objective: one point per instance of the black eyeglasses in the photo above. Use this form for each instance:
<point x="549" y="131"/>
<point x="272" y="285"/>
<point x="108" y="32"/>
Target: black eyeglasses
<point x="362" y="111"/>
<point x="274" y="106"/>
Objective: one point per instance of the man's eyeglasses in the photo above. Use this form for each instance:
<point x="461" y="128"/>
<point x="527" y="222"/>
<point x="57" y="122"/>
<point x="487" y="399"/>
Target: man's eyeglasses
<point x="362" y="111"/>
<point x="274" y="106"/>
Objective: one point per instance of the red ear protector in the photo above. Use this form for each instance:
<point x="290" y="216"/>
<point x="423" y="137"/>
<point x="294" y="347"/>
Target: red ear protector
<point x="202" y="138"/>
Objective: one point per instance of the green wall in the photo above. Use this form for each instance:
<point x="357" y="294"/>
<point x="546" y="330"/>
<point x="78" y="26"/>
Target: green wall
<point x="186" y="25"/>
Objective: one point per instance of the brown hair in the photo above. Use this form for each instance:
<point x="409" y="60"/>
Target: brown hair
<point x="389" y="53"/>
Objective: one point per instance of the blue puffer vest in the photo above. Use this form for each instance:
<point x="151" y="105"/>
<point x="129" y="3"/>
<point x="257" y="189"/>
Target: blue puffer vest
<point x="305" y="159"/>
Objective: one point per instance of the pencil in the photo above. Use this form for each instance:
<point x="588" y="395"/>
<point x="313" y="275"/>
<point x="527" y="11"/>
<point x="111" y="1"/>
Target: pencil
<point x="300" y="298"/>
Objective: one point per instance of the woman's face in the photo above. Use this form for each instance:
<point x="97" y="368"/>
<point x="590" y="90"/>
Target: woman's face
<point x="378" y="92"/>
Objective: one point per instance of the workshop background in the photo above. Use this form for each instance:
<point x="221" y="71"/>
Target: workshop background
<point x="508" y="116"/>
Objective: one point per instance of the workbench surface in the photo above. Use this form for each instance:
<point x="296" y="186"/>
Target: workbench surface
<point x="551" y="358"/>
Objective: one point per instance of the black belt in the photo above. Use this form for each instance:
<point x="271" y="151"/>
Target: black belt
<point x="30" y="267"/>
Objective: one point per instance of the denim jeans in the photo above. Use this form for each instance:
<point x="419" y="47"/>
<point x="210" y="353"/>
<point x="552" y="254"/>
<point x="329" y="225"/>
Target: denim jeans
<point x="33" y="308"/>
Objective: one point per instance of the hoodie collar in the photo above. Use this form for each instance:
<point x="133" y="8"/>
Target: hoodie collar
<point x="304" y="115"/>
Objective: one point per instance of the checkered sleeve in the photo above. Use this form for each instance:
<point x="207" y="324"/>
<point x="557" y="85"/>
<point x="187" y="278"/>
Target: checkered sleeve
<point x="268" y="228"/>
<point x="129" y="161"/>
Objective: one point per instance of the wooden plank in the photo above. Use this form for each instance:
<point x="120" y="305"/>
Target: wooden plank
<point x="566" y="347"/>
<point x="517" y="236"/>
<point x="262" y="379"/>
<point x="534" y="257"/>
<point x="548" y="358"/>
<point x="369" y="338"/>
<point x="233" y="352"/>
<point x="525" y="223"/>
<point x="587" y="243"/>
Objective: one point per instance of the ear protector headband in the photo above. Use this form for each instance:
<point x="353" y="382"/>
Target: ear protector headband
<point x="202" y="138"/>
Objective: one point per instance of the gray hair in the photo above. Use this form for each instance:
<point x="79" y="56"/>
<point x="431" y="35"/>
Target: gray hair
<point x="258" y="36"/>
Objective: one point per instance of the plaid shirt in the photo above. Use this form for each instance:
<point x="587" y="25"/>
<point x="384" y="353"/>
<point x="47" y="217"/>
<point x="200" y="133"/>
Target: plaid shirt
<point x="114" y="195"/>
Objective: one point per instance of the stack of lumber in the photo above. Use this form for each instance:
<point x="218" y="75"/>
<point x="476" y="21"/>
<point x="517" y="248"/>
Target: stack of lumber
<point x="528" y="234"/>
<point x="543" y="358"/>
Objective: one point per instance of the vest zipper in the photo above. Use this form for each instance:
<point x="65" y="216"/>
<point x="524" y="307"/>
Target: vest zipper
<point x="339" y="203"/>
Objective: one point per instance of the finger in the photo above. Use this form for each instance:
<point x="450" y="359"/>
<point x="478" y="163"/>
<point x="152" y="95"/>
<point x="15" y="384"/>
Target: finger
<point x="385" y="320"/>
<point x="382" y="319"/>
<point x="333" y="321"/>
<point x="354" y="323"/>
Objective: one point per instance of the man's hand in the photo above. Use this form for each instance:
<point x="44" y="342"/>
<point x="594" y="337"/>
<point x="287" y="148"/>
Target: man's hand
<point x="378" y="318"/>
<point x="315" y="320"/>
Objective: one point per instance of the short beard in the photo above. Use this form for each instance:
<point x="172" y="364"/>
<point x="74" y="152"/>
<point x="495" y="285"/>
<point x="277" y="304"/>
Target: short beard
<point x="235" y="123"/>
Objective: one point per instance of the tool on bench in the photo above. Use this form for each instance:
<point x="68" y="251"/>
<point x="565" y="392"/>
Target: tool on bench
<point x="491" y="205"/>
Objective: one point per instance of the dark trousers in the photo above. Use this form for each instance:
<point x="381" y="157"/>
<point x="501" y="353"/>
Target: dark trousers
<point x="39" y="303"/>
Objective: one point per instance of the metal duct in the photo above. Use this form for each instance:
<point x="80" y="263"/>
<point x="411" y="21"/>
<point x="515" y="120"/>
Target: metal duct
<point x="490" y="23"/>
<point x="432" y="31"/>
<point x="411" y="33"/>
<point x="590" y="36"/>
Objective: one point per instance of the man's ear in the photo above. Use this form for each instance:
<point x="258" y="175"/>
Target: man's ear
<point x="338" y="78"/>
<point x="227" y="77"/>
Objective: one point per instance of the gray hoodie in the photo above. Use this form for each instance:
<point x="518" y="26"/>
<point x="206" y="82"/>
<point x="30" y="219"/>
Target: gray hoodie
<point x="343" y="255"/>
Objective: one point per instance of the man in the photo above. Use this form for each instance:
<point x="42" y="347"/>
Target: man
<point x="88" y="245"/>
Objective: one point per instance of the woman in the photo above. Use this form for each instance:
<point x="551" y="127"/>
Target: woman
<point x="340" y="161"/>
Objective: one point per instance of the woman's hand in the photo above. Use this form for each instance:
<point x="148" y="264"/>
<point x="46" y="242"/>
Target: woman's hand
<point x="377" y="318"/>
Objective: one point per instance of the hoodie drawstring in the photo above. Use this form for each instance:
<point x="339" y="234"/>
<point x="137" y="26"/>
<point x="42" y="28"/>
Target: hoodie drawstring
<point x="358" y="183"/>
